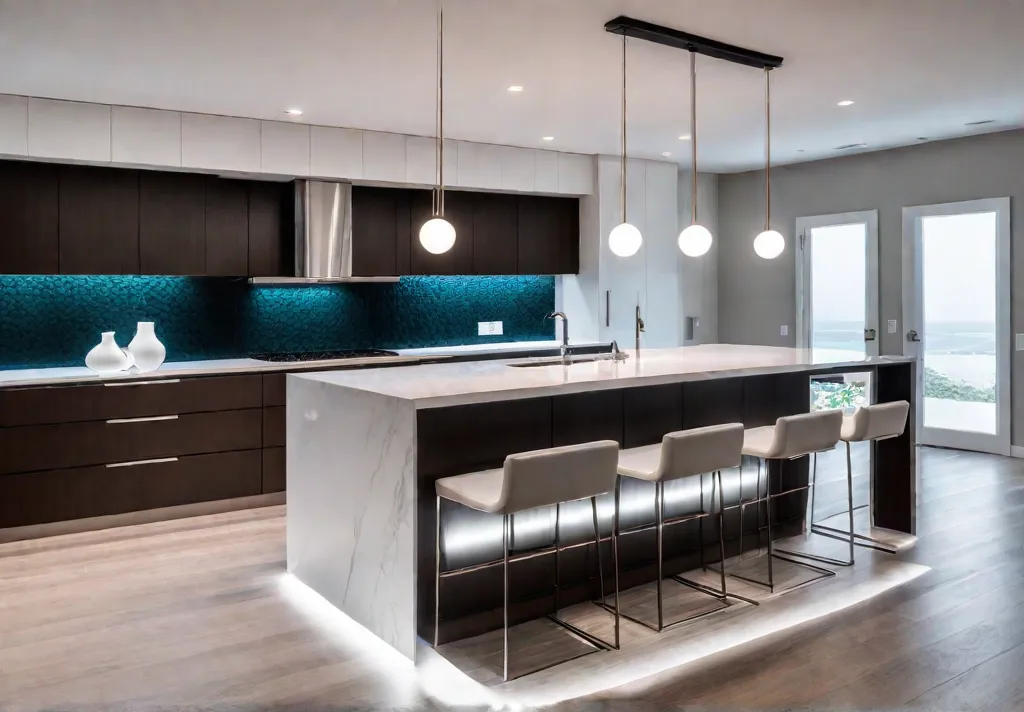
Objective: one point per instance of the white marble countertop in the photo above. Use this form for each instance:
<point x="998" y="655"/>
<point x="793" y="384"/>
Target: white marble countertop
<point x="446" y="384"/>
<point x="174" y="369"/>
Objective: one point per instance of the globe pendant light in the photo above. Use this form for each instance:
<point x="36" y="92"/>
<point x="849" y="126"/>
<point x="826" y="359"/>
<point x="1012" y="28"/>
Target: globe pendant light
<point x="770" y="243"/>
<point x="437" y="235"/>
<point x="624" y="240"/>
<point x="695" y="240"/>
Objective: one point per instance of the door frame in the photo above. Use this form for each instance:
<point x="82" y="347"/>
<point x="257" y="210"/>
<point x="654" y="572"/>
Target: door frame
<point x="912" y="320"/>
<point x="802" y="256"/>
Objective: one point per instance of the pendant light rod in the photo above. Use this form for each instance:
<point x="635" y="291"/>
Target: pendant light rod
<point x="659" y="34"/>
<point x="693" y="137"/>
<point x="622" y="177"/>
<point x="439" y="190"/>
<point x="768" y="148"/>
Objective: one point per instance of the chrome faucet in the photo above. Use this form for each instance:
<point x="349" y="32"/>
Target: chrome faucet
<point x="639" y="328"/>
<point x="617" y="353"/>
<point x="565" y="333"/>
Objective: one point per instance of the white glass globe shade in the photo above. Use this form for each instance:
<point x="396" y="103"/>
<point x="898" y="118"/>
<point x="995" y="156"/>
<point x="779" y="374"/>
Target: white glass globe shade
<point x="769" y="244"/>
<point x="624" y="240"/>
<point x="695" y="241"/>
<point x="437" y="236"/>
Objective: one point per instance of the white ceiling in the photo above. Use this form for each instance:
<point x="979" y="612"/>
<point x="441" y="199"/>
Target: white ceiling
<point x="916" y="68"/>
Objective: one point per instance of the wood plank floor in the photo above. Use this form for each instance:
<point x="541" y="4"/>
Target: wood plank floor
<point x="191" y="614"/>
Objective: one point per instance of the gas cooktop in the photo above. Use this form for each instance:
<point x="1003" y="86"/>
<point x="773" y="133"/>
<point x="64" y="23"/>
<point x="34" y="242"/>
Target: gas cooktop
<point x="321" y="355"/>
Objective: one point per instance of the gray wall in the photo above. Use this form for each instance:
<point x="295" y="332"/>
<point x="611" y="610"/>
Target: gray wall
<point x="700" y="274"/>
<point x="756" y="296"/>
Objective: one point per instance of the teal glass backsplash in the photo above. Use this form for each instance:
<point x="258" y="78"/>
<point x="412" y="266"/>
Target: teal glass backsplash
<point x="55" y="320"/>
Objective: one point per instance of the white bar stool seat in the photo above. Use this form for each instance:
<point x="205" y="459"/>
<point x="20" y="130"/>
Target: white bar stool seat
<point x="867" y="424"/>
<point x="684" y="454"/>
<point x="528" y="480"/>
<point x="792" y="437"/>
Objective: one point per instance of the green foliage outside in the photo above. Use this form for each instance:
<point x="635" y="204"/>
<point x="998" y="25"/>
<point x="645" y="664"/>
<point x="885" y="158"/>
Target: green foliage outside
<point x="939" y="385"/>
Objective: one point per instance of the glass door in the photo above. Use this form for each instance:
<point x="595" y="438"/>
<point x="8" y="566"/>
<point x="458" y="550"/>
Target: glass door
<point x="837" y="282"/>
<point x="957" y="311"/>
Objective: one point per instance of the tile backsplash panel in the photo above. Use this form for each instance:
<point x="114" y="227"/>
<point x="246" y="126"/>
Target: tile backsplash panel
<point x="55" y="320"/>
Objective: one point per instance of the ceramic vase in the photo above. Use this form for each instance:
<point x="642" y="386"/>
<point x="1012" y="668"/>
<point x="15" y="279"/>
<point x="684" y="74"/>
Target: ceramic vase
<point x="146" y="349"/>
<point x="107" y="356"/>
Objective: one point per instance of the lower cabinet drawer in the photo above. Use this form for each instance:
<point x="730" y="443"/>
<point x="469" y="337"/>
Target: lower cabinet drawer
<point x="275" y="428"/>
<point x="51" y="447"/>
<point x="60" y="495"/>
<point x="273" y="469"/>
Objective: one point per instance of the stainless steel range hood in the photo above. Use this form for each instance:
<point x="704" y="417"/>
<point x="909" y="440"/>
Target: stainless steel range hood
<point x="323" y="236"/>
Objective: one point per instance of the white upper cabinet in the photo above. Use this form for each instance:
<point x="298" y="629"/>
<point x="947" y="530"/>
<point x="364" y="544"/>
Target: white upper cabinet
<point x="148" y="137"/>
<point x="69" y="129"/>
<point x="284" y="148"/>
<point x="384" y="156"/>
<point x="14" y="125"/>
<point x="335" y="153"/>
<point x="220" y="143"/>
<point x="518" y="169"/>
<point x="421" y="160"/>
<point x="546" y="174"/>
<point x="575" y="174"/>
<point x="479" y="166"/>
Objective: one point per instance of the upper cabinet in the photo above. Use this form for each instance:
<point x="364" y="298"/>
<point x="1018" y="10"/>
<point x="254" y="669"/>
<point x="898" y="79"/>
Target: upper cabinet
<point x="496" y="233"/>
<point x="28" y="218"/>
<point x="98" y="215"/>
<point x="220" y="143"/>
<point x="172" y="223"/>
<point x="145" y="137"/>
<point x="69" y="130"/>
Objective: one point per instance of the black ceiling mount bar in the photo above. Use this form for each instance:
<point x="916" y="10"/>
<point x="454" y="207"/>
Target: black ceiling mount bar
<point x="641" y="30"/>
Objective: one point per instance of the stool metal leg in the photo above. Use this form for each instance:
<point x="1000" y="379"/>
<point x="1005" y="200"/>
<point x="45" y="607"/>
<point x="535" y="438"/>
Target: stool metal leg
<point x="437" y="569"/>
<point x="768" y="506"/>
<point x="615" y="556"/>
<point x="721" y="530"/>
<point x="597" y="545"/>
<point x="815" y="530"/>
<point x="849" y="497"/>
<point x="700" y="523"/>
<point x="558" y="545"/>
<point x="504" y="542"/>
<point x="659" y="504"/>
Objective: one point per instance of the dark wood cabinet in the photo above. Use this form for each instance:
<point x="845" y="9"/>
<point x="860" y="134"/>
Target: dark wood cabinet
<point x="98" y="220"/>
<point x="227" y="227"/>
<point x="548" y="231"/>
<point x="28" y="218"/>
<point x="271" y="230"/>
<point x="172" y="223"/>
<point x="496" y="234"/>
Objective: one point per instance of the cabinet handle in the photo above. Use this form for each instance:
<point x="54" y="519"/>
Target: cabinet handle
<point x="142" y="383"/>
<point x="607" y="307"/>
<point x="133" y="463"/>
<point x="118" y="421"/>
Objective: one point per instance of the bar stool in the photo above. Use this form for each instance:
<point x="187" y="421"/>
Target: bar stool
<point x="529" y="480"/>
<point x="870" y="423"/>
<point x="792" y="437"/>
<point x="683" y="454"/>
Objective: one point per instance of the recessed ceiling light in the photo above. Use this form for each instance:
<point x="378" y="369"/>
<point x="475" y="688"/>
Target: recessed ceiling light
<point x="845" y="102"/>
<point x="666" y="154"/>
<point x="685" y="137"/>
<point x="549" y="138"/>
<point x="293" y="112"/>
<point x="515" y="88"/>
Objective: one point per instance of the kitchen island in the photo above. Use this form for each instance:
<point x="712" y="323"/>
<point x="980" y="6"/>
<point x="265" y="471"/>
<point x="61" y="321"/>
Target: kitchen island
<point x="364" y="449"/>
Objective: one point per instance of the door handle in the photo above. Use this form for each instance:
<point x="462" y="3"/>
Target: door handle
<point x="870" y="334"/>
<point x="607" y="307"/>
<point x="135" y="463"/>
<point x="162" y="381"/>
<point x="912" y="336"/>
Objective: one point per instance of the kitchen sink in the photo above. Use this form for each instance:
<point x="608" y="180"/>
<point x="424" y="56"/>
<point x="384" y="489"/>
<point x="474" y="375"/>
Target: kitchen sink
<point x="587" y="358"/>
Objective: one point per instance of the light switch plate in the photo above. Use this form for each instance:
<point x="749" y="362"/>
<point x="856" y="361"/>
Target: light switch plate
<point x="784" y="330"/>
<point x="892" y="326"/>
<point x="489" y="328"/>
<point x="1020" y="342"/>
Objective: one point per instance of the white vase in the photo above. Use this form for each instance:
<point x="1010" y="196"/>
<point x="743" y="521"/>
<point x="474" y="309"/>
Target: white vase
<point x="107" y="356"/>
<point x="146" y="349"/>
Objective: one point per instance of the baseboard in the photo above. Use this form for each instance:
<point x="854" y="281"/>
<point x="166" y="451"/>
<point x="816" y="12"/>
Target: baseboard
<point x="77" y="526"/>
<point x="1017" y="451"/>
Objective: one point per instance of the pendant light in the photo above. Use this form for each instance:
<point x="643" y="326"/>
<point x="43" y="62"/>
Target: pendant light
<point x="695" y="240"/>
<point x="437" y="235"/>
<point x="624" y="240"/>
<point x="770" y="243"/>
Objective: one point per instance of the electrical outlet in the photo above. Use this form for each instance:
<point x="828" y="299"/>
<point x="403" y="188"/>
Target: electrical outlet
<point x="1020" y="342"/>
<point x="784" y="330"/>
<point x="892" y="326"/>
<point x="489" y="328"/>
